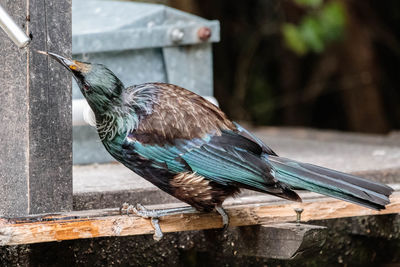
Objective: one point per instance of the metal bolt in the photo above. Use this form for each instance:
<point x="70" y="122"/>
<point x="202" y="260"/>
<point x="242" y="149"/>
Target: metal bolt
<point x="177" y="35"/>
<point x="298" y="213"/>
<point x="204" y="33"/>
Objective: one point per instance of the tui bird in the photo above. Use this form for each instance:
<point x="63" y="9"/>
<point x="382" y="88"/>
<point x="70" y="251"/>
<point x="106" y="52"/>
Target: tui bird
<point x="188" y="148"/>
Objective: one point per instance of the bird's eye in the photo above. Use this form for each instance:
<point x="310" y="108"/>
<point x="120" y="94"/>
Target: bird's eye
<point x="85" y="86"/>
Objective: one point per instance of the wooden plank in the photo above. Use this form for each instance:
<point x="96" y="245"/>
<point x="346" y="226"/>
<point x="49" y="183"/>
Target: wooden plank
<point x="36" y="128"/>
<point x="247" y="211"/>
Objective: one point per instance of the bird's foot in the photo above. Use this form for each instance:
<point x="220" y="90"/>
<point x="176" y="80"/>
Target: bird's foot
<point x="141" y="211"/>
<point x="158" y="234"/>
<point x="126" y="209"/>
<point x="224" y="215"/>
<point x="154" y="215"/>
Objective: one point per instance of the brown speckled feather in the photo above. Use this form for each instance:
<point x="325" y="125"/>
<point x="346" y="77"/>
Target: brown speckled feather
<point x="199" y="192"/>
<point x="180" y="114"/>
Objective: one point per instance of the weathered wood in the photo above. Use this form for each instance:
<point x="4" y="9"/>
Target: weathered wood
<point x="280" y="241"/>
<point x="245" y="211"/>
<point x="36" y="132"/>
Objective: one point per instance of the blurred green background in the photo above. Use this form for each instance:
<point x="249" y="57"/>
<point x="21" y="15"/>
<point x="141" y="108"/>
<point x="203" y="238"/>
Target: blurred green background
<point x="330" y="64"/>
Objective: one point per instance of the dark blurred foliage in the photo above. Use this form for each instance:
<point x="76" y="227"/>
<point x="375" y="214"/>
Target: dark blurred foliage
<point x="327" y="64"/>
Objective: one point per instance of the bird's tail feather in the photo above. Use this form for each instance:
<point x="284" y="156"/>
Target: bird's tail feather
<point x="331" y="183"/>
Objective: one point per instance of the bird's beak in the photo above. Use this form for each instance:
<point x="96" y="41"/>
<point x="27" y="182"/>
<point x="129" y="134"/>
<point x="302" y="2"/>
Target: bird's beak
<point x="66" y="62"/>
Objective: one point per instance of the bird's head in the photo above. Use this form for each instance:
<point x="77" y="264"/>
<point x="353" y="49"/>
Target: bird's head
<point x="98" y="84"/>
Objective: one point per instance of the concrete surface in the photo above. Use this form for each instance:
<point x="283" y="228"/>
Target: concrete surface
<point x="36" y="125"/>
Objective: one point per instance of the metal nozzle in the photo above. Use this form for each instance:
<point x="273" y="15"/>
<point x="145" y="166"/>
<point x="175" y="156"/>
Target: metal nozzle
<point x="13" y="31"/>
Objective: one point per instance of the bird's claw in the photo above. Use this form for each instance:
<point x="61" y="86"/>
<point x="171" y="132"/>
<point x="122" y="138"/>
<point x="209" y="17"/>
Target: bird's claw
<point x="127" y="209"/>
<point x="138" y="210"/>
<point x="158" y="234"/>
<point x="143" y="212"/>
<point x="124" y="208"/>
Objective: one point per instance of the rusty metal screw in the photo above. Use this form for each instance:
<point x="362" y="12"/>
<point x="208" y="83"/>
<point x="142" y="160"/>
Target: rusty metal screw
<point x="204" y="33"/>
<point x="298" y="213"/>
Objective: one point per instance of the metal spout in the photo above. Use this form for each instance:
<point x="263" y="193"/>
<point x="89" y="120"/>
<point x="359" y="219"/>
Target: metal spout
<point x="13" y="30"/>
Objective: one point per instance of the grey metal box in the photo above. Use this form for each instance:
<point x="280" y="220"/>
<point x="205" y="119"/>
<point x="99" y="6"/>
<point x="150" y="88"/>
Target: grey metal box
<point x="140" y="43"/>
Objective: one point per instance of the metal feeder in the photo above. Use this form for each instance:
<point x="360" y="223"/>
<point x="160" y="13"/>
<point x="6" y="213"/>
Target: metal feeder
<point x="140" y="43"/>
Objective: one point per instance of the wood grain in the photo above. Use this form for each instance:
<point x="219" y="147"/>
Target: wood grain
<point x="246" y="211"/>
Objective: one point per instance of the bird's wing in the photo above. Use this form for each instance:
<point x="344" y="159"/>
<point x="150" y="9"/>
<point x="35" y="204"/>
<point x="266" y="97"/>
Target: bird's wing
<point x="227" y="159"/>
<point x="176" y="113"/>
<point x="187" y="133"/>
<point x="242" y="131"/>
